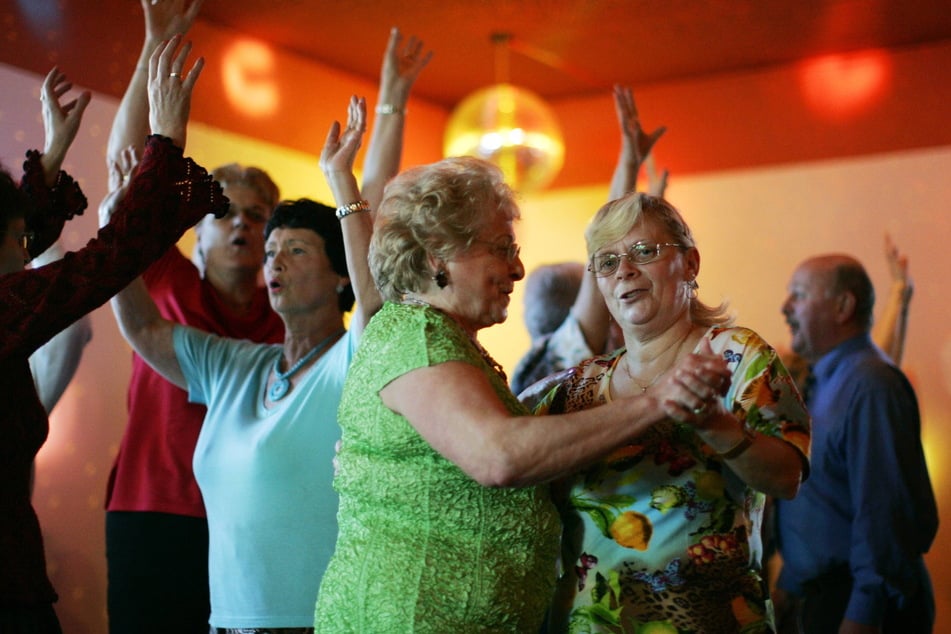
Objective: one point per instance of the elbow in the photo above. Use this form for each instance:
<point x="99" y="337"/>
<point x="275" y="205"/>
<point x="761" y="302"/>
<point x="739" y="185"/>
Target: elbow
<point x="787" y="488"/>
<point x="785" y="485"/>
<point x="497" y="474"/>
<point x="499" y="468"/>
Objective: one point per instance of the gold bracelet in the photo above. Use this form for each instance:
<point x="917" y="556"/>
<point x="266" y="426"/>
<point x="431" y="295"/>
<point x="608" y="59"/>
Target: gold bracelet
<point x="388" y="108"/>
<point x="734" y="452"/>
<point x="351" y="208"/>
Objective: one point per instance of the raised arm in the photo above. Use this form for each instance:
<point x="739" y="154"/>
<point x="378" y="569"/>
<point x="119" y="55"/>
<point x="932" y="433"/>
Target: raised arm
<point x="55" y="195"/>
<point x="402" y="63"/>
<point x="890" y="329"/>
<point x="589" y="307"/>
<point x="336" y="162"/>
<point x="60" y="122"/>
<point x="169" y="89"/>
<point x="635" y="144"/>
<point x="163" y="20"/>
<point x="54" y="365"/>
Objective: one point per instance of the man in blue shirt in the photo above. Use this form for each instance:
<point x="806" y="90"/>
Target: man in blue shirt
<point x="852" y="540"/>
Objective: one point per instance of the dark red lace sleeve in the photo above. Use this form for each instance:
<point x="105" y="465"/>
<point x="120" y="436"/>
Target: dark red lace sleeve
<point x="52" y="206"/>
<point x="168" y="194"/>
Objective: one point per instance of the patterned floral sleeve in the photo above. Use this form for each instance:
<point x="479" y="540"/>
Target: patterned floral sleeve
<point x="763" y="395"/>
<point x="168" y="195"/>
<point x="52" y="206"/>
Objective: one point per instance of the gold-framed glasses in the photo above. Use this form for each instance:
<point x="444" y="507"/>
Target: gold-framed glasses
<point x="604" y="264"/>
<point x="507" y="252"/>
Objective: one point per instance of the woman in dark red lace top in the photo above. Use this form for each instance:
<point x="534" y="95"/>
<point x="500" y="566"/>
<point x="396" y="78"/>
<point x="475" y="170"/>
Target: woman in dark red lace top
<point x="168" y="194"/>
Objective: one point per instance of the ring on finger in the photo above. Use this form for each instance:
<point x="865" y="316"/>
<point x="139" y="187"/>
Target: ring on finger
<point x="700" y="410"/>
<point x="174" y="75"/>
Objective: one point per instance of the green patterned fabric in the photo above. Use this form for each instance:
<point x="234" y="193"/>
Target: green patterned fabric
<point x="422" y="547"/>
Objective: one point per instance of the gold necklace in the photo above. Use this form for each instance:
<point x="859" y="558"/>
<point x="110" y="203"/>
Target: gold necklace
<point x="495" y="365"/>
<point x="644" y="388"/>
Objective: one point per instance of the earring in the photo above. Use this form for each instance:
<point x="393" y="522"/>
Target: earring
<point x="340" y="288"/>
<point x="441" y="279"/>
<point x="691" y="289"/>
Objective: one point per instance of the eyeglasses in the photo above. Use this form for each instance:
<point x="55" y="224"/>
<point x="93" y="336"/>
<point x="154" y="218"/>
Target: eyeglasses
<point x="508" y="252"/>
<point x="604" y="264"/>
<point x="25" y="239"/>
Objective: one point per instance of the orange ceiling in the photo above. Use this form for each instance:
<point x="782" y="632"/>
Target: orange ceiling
<point x="560" y="48"/>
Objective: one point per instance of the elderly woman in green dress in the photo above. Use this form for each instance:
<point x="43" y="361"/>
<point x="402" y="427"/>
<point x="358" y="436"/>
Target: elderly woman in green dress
<point x="446" y="523"/>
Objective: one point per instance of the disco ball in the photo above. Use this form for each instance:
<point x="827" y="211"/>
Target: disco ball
<point x="512" y="128"/>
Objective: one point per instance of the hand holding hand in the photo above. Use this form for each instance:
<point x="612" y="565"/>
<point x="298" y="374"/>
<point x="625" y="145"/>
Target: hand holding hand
<point x="170" y="89"/>
<point x="691" y="391"/>
<point x="120" y="175"/>
<point x="60" y="121"/>
<point x="167" y="18"/>
<point x="402" y="63"/>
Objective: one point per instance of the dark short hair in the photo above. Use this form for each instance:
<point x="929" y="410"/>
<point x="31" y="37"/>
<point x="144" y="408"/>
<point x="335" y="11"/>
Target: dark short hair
<point x="13" y="202"/>
<point x="304" y="213"/>
<point x="850" y="277"/>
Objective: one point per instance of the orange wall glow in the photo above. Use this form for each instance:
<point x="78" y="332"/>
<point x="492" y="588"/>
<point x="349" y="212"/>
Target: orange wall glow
<point x="247" y="75"/>
<point x="840" y="86"/>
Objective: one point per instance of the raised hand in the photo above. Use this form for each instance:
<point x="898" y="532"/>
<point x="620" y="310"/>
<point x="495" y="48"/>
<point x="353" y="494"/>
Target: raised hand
<point x="634" y="141"/>
<point x="402" y="63"/>
<point x="897" y="263"/>
<point x="167" y="18"/>
<point x="656" y="183"/>
<point x="340" y="149"/>
<point x="120" y="175"/>
<point x="60" y="121"/>
<point x="170" y="89"/>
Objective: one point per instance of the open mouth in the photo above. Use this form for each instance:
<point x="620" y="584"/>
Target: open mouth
<point x="239" y="242"/>
<point x="634" y="294"/>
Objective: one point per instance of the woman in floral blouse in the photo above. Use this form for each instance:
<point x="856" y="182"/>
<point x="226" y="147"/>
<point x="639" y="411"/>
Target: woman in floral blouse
<point x="663" y="535"/>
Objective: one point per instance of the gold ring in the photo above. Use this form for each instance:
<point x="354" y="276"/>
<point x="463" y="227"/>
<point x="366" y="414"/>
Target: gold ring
<point x="174" y="75"/>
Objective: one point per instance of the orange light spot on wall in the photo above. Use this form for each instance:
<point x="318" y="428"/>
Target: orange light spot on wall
<point x="248" y="78"/>
<point x="840" y="86"/>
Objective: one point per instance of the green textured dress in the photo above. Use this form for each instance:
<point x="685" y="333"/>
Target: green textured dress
<point x="422" y="547"/>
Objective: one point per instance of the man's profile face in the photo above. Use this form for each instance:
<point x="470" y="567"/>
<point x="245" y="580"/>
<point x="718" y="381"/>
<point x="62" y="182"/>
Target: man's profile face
<point x="810" y="311"/>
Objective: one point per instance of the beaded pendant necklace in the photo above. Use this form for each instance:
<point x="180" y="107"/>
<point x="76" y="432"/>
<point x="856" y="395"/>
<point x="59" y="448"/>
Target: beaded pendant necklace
<point x="282" y="383"/>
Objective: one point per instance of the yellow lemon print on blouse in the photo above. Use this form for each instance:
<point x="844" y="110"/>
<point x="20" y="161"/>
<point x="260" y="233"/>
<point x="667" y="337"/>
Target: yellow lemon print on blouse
<point x="632" y="530"/>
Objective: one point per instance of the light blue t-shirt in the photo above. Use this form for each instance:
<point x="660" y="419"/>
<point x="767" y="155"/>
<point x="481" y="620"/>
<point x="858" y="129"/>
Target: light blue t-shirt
<point x="266" y="475"/>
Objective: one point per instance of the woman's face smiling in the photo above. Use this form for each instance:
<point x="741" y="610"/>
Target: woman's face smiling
<point x="648" y="297"/>
<point x="481" y="279"/>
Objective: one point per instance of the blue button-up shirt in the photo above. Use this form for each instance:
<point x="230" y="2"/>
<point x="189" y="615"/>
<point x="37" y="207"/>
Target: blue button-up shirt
<point x="868" y="503"/>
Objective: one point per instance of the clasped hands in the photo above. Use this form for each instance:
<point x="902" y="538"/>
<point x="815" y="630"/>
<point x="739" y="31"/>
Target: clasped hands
<point x="691" y="391"/>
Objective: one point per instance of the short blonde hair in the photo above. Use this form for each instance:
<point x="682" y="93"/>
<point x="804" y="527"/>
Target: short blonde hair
<point x="615" y="220"/>
<point x="251" y="177"/>
<point x="436" y="210"/>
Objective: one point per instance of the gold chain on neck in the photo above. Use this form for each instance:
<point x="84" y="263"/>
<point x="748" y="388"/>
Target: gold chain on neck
<point x="644" y="388"/>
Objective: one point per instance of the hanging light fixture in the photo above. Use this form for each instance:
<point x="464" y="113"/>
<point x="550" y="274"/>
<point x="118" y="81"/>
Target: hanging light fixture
<point x="509" y="126"/>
